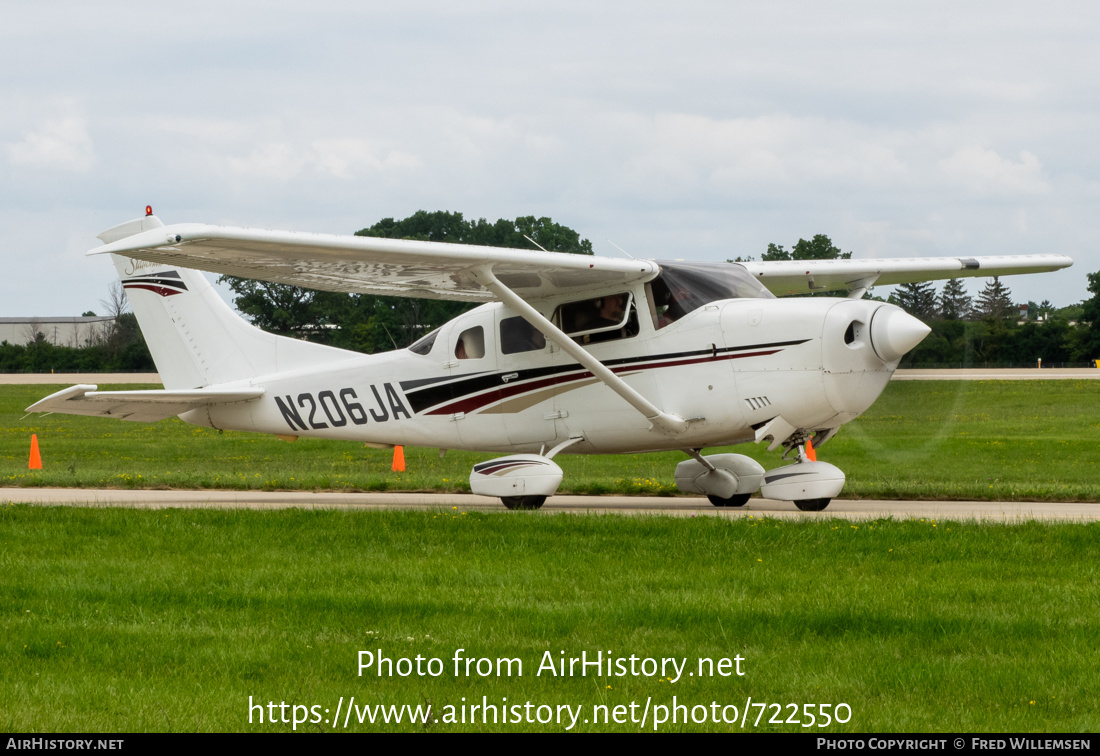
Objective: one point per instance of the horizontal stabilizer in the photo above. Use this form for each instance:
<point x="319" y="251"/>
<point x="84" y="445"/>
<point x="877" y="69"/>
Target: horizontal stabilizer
<point x="140" y="406"/>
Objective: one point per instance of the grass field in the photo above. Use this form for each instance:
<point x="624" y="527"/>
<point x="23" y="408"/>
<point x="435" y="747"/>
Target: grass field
<point x="128" y="620"/>
<point x="1001" y="440"/>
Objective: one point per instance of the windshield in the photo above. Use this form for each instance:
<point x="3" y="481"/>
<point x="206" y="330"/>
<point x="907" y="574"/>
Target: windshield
<point x="684" y="287"/>
<point x="425" y="344"/>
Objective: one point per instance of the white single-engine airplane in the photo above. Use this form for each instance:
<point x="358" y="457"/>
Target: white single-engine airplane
<point x="569" y="353"/>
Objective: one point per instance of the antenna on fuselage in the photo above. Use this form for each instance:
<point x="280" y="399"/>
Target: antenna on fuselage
<point x="387" y="330"/>
<point x="616" y="246"/>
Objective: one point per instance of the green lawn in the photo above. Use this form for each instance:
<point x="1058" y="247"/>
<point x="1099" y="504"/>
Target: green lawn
<point x="1003" y="440"/>
<point x="129" y="620"/>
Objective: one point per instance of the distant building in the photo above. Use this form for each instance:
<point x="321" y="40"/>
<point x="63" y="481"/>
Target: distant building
<point x="74" y="332"/>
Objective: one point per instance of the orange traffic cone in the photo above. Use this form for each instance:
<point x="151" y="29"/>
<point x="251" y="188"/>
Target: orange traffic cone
<point x="36" y="458"/>
<point x="810" y="453"/>
<point x="399" y="459"/>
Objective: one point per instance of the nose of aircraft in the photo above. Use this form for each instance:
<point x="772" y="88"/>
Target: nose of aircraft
<point x="894" y="332"/>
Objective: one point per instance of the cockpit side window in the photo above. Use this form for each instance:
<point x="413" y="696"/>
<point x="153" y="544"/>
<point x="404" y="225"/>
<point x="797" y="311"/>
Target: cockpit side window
<point x="606" y="318"/>
<point x="672" y="301"/>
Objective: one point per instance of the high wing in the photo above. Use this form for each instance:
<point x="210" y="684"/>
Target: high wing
<point x="784" y="278"/>
<point x="368" y="265"/>
<point x="437" y="270"/>
<point x="140" y="406"/>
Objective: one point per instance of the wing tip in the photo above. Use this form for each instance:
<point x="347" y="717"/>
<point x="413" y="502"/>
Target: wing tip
<point x="66" y="394"/>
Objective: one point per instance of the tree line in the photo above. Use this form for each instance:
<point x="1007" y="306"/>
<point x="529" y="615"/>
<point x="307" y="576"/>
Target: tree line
<point x="117" y="346"/>
<point x="123" y="350"/>
<point x="994" y="330"/>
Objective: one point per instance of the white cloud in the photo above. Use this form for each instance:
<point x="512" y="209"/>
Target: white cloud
<point x="335" y="158"/>
<point x="349" y="158"/>
<point x="703" y="129"/>
<point x="983" y="172"/>
<point x="673" y="153"/>
<point x="273" y="160"/>
<point x="62" y="144"/>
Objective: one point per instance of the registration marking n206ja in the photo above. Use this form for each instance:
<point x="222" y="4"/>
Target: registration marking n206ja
<point x="311" y="411"/>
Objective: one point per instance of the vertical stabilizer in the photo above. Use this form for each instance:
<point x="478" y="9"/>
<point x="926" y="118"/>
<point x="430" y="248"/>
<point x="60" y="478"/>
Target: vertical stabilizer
<point x="195" y="338"/>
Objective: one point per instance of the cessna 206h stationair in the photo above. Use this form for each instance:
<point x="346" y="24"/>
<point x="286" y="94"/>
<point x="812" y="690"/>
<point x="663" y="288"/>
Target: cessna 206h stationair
<point x="568" y="353"/>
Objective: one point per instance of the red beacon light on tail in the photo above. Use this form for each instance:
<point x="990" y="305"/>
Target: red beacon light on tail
<point x="148" y="210"/>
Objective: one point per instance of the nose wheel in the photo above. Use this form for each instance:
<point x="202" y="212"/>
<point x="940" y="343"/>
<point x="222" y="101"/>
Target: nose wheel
<point x="810" y="484"/>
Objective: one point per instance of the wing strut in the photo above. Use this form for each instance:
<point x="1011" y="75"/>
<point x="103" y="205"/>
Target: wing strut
<point x="664" y="421"/>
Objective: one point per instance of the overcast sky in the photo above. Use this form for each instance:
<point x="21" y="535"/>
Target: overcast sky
<point x="696" y="130"/>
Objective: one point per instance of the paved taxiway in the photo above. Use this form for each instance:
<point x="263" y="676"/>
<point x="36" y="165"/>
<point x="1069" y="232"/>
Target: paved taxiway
<point x="683" y="506"/>
<point x="986" y="511"/>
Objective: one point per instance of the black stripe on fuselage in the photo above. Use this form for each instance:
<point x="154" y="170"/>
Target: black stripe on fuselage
<point x="164" y="277"/>
<point x="425" y="393"/>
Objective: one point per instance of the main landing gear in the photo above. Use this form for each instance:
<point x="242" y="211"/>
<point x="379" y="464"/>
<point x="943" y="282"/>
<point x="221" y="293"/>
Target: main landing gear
<point x="737" y="500"/>
<point x="728" y="480"/>
<point x="522" y="502"/>
<point x="522" y="481"/>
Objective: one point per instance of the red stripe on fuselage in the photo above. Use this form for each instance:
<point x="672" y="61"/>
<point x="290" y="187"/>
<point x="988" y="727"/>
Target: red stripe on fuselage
<point x="479" y="401"/>
<point x="162" y="290"/>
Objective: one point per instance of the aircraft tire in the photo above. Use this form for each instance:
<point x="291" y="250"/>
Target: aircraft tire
<point x="523" y="502"/>
<point x="812" y="505"/>
<point x="737" y="500"/>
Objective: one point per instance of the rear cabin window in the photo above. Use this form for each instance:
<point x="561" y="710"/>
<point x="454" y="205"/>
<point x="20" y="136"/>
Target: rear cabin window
<point x="471" y="344"/>
<point x="517" y="335"/>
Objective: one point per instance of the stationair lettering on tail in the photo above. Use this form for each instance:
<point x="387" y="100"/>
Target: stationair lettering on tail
<point x="563" y="354"/>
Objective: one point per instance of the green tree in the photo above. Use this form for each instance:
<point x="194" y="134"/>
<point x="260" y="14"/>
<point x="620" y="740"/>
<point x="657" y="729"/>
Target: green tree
<point x="278" y="308"/>
<point x="995" y="302"/>
<point x="1088" y="343"/>
<point x="1041" y="311"/>
<point x="820" y="247"/>
<point x="443" y="226"/>
<point x="775" y="252"/>
<point x="918" y="299"/>
<point x="954" y="302"/>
